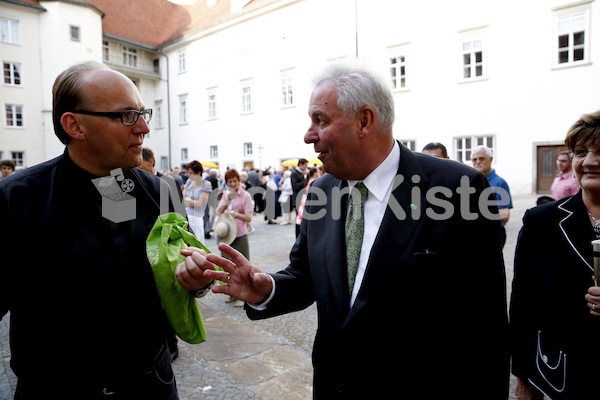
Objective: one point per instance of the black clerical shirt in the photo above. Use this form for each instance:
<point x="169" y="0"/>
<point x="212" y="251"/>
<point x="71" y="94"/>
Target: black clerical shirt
<point x="81" y="294"/>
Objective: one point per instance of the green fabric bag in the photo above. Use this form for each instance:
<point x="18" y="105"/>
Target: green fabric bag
<point x="168" y="236"/>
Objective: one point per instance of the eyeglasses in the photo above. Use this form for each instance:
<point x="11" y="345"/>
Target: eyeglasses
<point x="128" y="117"/>
<point x="581" y="153"/>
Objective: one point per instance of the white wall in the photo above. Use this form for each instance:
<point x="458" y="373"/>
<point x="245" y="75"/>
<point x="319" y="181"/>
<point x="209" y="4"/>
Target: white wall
<point x="58" y="52"/>
<point x="523" y="101"/>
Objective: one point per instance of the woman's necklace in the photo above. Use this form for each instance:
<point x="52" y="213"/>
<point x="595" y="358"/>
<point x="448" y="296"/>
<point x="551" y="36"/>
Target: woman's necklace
<point x="596" y="221"/>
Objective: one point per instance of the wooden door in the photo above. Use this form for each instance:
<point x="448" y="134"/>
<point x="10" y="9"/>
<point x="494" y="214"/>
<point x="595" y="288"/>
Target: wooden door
<point x="546" y="166"/>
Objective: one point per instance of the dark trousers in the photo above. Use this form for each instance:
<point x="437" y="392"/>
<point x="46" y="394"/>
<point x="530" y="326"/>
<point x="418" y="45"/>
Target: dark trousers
<point x="158" y="383"/>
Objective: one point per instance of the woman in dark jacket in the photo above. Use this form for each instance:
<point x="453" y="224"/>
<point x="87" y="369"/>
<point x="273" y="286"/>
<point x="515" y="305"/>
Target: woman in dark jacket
<point x="554" y="324"/>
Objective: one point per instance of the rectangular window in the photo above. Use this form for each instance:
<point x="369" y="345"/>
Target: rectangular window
<point x="571" y="38"/>
<point x="10" y="31"/>
<point x="105" y="51"/>
<point x="157" y="115"/>
<point x="398" y="71"/>
<point x="248" y="149"/>
<point x="246" y="98"/>
<point x="12" y="73"/>
<point x="409" y="143"/>
<point x="183" y="112"/>
<point x="19" y="158"/>
<point x="464" y="145"/>
<point x="287" y="91"/>
<point x="184" y="154"/>
<point x="130" y="56"/>
<point x="214" y="152"/>
<point x="164" y="163"/>
<point x="181" y="61"/>
<point x="212" y="103"/>
<point x="13" y="115"/>
<point x="472" y="59"/>
<point x="75" y="34"/>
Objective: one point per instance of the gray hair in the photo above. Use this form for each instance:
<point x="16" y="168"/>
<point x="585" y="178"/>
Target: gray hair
<point x="358" y="87"/>
<point x="484" y="149"/>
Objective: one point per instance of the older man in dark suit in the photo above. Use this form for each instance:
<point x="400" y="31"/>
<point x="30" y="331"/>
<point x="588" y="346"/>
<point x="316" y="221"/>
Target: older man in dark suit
<point x="408" y="276"/>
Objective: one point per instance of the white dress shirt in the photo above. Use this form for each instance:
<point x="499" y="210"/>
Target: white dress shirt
<point x="379" y="182"/>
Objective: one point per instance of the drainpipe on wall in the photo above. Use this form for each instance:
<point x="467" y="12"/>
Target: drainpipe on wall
<point x="168" y="109"/>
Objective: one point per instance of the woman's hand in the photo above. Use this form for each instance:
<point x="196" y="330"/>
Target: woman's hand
<point x="523" y="390"/>
<point x="593" y="299"/>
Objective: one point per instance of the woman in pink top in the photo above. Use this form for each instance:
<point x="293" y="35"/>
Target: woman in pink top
<point x="238" y="203"/>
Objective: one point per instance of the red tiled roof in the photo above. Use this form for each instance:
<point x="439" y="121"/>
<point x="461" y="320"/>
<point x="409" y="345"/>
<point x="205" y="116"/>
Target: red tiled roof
<point x="150" y="22"/>
<point x="155" y="23"/>
<point x="204" y="16"/>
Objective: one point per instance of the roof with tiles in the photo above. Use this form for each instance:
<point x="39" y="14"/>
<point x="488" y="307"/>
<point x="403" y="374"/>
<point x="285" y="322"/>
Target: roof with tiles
<point x="155" y="23"/>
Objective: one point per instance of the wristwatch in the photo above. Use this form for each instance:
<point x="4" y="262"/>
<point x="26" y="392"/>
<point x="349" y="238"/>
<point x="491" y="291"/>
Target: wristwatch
<point x="203" y="291"/>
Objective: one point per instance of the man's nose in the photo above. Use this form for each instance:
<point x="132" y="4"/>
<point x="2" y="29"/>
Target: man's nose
<point x="310" y="136"/>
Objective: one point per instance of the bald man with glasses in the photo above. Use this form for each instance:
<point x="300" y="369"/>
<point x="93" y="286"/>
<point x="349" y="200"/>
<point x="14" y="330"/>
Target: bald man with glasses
<point x="86" y="319"/>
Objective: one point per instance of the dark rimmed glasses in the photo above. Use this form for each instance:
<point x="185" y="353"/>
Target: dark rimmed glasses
<point x="128" y="117"/>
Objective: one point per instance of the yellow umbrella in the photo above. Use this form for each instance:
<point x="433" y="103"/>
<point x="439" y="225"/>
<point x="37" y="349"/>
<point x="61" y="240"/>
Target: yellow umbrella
<point x="292" y="162"/>
<point x="209" y="164"/>
<point x="315" y="161"/>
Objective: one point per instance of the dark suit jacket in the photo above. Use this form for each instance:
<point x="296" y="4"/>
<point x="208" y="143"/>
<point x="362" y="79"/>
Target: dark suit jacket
<point x="554" y="337"/>
<point x="430" y="317"/>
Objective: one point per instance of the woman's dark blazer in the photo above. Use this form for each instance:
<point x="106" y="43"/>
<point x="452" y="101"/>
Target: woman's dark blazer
<point x="555" y="340"/>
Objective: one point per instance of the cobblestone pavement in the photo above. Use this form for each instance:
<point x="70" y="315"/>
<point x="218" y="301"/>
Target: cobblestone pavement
<point x="248" y="360"/>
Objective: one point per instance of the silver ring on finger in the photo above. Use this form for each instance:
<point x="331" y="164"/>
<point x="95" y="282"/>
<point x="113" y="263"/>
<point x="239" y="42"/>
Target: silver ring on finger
<point x="593" y="307"/>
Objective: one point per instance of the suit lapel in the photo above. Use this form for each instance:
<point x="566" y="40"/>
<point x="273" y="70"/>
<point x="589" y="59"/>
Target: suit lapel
<point x="400" y="221"/>
<point x="573" y="219"/>
<point x="335" y="251"/>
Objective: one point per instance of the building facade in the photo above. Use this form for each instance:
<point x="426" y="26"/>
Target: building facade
<point x="230" y="80"/>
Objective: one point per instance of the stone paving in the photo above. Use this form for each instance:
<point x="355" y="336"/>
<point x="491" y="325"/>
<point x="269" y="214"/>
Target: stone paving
<point x="254" y="360"/>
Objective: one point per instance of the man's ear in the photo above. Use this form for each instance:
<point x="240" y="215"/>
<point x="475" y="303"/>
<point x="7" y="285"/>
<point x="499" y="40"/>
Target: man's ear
<point x="367" y="120"/>
<point x="71" y="125"/>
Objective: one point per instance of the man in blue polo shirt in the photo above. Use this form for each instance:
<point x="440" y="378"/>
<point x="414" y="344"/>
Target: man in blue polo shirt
<point x="482" y="160"/>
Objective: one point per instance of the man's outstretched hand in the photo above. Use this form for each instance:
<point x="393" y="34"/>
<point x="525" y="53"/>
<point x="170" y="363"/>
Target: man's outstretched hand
<point x="242" y="279"/>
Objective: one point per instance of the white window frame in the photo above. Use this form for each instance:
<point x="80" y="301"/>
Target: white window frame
<point x="211" y="97"/>
<point x="130" y="56"/>
<point x="18" y="157"/>
<point x="17" y="114"/>
<point x="157" y="115"/>
<point x="10" y="30"/>
<point x="164" y="163"/>
<point x="184" y="155"/>
<point x="183" y="109"/>
<point x="566" y="15"/>
<point x="77" y="30"/>
<point x="287" y="90"/>
<point x="214" y="152"/>
<point x="181" y="62"/>
<point x="473" y="41"/>
<point x="398" y="67"/>
<point x="248" y="150"/>
<point x="411" y="144"/>
<point x="14" y="72"/>
<point x="105" y="50"/>
<point x="463" y="146"/>
<point x="246" y="97"/>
